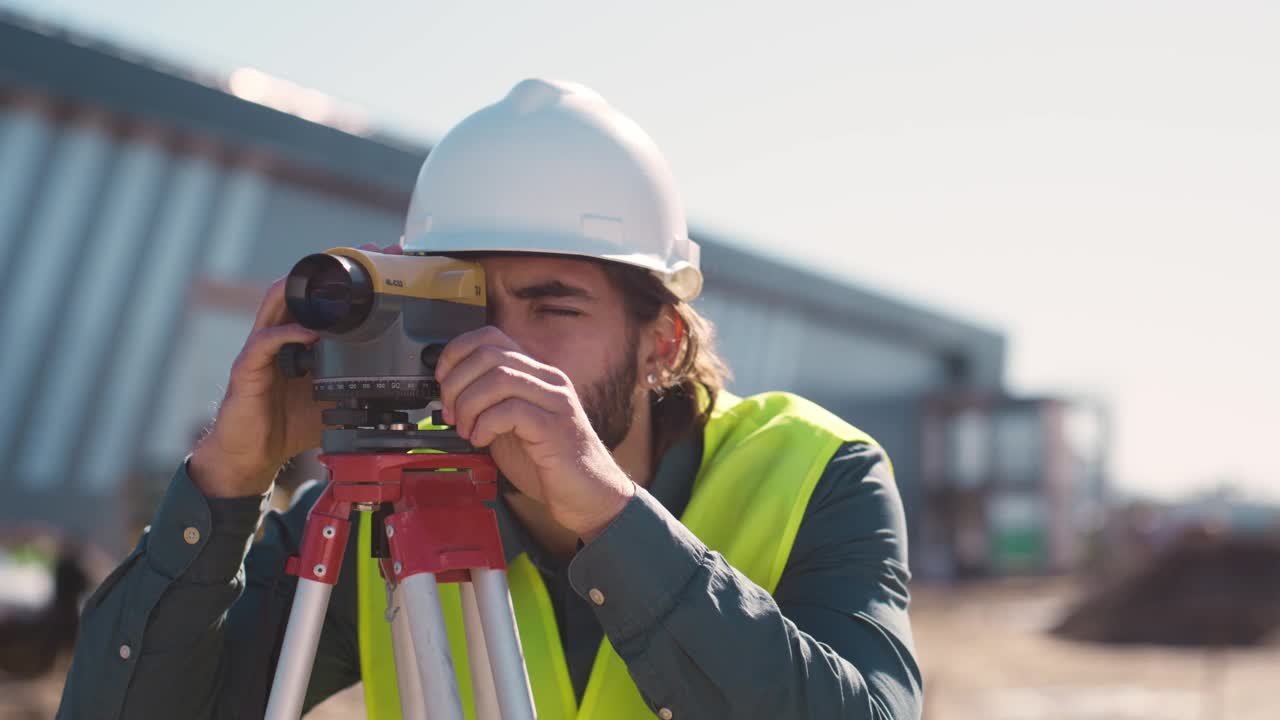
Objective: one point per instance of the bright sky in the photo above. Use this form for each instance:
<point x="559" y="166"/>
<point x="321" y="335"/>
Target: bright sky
<point x="1098" y="179"/>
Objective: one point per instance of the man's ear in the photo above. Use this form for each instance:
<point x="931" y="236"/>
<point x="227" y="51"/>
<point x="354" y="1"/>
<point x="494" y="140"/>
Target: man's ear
<point x="666" y="334"/>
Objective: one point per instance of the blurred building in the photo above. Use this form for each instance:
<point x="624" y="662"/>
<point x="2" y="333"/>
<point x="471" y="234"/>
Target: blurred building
<point x="1009" y="485"/>
<point x="143" y="210"/>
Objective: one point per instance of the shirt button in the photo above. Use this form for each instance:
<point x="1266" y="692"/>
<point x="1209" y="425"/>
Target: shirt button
<point x="125" y="652"/>
<point x="665" y="714"/>
<point x="191" y="535"/>
<point x="596" y="596"/>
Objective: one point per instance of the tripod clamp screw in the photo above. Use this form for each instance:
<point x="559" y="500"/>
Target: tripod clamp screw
<point x="329" y="532"/>
<point x="319" y="570"/>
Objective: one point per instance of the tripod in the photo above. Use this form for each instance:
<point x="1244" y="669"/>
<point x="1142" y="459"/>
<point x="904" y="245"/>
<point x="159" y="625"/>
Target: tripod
<point x="431" y="525"/>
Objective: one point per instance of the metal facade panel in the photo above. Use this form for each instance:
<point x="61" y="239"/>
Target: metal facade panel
<point x="84" y="340"/>
<point x="829" y="302"/>
<point x="836" y="364"/>
<point x="759" y="342"/>
<point x="775" y="346"/>
<point x="207" y="342"/>
<point x="297" y="221"/>
<point x="152" y="313"/>
<point x="42" y="271"/>
<point x="25" y="139"/>
<point x="238" y="227"/>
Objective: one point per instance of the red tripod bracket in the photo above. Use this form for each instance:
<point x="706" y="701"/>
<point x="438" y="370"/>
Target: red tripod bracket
<point x="441" y="522"/>
<point x="324" y="540"/>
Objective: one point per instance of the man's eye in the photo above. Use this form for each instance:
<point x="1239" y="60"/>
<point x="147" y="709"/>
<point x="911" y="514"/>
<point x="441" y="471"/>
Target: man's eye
<point x="559" y="311"/>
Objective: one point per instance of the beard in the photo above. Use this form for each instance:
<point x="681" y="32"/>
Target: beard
<point x="610" y="402"/>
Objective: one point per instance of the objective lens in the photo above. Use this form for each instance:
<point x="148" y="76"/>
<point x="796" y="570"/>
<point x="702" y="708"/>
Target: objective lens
<point x="329" y="295"/>
<point x="329" y="292"/>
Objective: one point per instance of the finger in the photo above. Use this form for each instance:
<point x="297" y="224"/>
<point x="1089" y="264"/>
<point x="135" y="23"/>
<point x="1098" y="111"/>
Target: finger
<point x="464" y="344"/>
<point x="385" y="250"/>
<point x="263" y="346"/>
<point x="273" y="310"/>
<point x="482" y="360"/>
<point x="511" y="416"/>
<point x="503" y="383"/>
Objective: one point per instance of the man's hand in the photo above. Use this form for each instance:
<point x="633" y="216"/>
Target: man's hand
<point x="531" y="419"/>
<point x="265" y="418"/>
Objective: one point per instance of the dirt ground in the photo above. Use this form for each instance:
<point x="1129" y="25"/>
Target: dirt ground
<point x="985" y="654"/>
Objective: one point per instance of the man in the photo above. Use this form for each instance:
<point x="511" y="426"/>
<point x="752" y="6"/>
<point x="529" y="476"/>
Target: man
<point x="694" y="555"/>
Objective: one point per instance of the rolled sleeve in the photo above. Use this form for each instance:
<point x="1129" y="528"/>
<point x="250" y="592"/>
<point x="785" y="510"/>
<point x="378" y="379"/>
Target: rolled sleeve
<point x="634" y="572"/>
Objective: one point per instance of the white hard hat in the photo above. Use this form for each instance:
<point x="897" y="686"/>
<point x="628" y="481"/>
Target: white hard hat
<point x="553" y="168"/>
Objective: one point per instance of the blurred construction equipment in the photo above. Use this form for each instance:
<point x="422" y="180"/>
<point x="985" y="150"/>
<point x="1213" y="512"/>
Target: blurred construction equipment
<point x="1009" y="485"/>
<point x="36" y="627"/>
<point x="1208" y="587"/>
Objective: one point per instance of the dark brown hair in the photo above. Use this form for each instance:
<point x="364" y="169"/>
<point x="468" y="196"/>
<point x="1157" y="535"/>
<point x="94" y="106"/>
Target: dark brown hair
<point x="676" y="405"/>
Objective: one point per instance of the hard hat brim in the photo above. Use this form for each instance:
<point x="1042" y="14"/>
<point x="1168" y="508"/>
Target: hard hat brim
<point x="683" y="279"/>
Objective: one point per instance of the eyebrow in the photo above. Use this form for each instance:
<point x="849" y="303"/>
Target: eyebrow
<point x="551" y="289"/>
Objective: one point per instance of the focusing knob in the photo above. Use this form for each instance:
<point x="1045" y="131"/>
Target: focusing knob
<point x="295" y="360"/>
<point x="431" y="355"/>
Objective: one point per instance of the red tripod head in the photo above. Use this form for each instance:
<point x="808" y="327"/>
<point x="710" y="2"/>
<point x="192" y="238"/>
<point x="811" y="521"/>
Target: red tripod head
<point x="434" y="509"/>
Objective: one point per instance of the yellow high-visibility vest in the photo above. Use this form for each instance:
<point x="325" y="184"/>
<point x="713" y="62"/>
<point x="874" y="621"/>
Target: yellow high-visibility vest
<point x="762" y="457"/>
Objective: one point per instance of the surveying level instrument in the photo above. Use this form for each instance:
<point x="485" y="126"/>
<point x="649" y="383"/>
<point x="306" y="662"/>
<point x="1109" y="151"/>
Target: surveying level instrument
<point x="383" y="320"/>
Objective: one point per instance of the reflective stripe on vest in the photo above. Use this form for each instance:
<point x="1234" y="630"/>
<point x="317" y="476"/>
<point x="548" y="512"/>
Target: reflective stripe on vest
<point x="762" y="457"/>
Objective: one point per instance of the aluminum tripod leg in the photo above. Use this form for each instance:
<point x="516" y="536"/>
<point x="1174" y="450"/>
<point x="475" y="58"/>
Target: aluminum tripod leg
<point x="298" y="653"/>
<point x="482" y="688"/>
<point x="413" y="706"/>
<point x="506" y="657"/>
<point x="412" y="703"/>
<point x="421" y="601"/>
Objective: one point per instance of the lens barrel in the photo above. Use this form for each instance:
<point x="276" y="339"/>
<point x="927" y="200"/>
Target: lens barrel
<point x="329" y="293"/>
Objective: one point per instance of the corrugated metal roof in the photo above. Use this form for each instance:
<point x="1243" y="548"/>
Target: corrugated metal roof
<point x="85" y="73"/>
